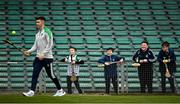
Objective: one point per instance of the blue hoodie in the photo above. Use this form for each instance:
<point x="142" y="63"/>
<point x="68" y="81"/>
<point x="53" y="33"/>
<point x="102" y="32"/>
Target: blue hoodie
<point x="110" y="69"/>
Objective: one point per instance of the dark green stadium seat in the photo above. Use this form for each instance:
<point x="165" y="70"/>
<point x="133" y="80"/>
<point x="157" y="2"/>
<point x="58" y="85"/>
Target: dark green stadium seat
<point x="101" y="12"/>
<point x="62" y="47"/>
<point x="170" y="40"/>
<point x="136" y="40"/>
<point x="149" y="28"/>
<point x="163" y="23"/>
<point x="13" y="13"/>
<point x="143" y="7"/>
<point x="58" y="18"/>
<point x="92" y="40"/>
<point x="2" y="28"/>
<point x="28" y="7"/>
<point x="14" y="18"/>
<point x="57" y="8"/>
<point x="60" y="23"/>
<point x="85" y="3"/>
<point x="115" y="13"/>
<point x="99" y="80"/>
<point x="86" y="8"/>
<point x="70" y="2"/>
<point x="100" y="8"/>
<point x="103" y="23"/>
<point x="165" y="33"/>
<point x="29" y="18"/>
<point x="144" y="12"/>
<point x="136" y="33"/>
<point x="70" y="8"/>
<point x="93" y="47"/>
<point x="174" y="18"/>
<point x="89" y="23"/>
<point x="13" y="7"/>
<point x="30" y="23"/>
<point x="89" y="28"/>
<point x="102" y="18"/>
<point x="124" y="47"/>
<point x="95" y="54"/>
<point x="86" y="85"/>
<point x="64" y="54"/>
<point x="74" y="28"/>
<point x="150" y="33"/>
<point x="128" y="3"/>
<point x="79" y="47"/>
<point x="105" y="46"/>
<point x="74" y="23"/>
<point x="98" y="74"/>
<point x="71" y="13"/>
<point x="117" y="18"/>
<point x="94" y="59"/>
<point x="123" y="41"/>
<point x="131" y="18"/>
<point x="172" y="7"/>
<point x="155" y="46"/>
<point x="44" y="13"/>
<point x="153" y="40"/>
<point x="118" y="23"/>
<point x="57" y="12"/>
<point x="29" y="28"/>
<point x="105" y="33"/>
<point x="121" y="33"/>
<point x="161" y="18"/>
<point x="133" y="23"/>
<point x="128" y="8"/>
<point x="134" y="28"/>
<point x="155" y="7"/>
<point x="62" y="41"/>
<point x="90" y="33"/>
<point x="75" y="33"/>
<point x="14" y="23"/>
<point x="77" y="40"/>
<point x="107" y="41"/>
<point x="119" y="28"/>
<point x="146" y="18"/>
<point x="83" y="54"/>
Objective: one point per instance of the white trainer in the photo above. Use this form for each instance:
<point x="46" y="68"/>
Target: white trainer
<point x="30" y="93"/>
<point x="60" y="93"/>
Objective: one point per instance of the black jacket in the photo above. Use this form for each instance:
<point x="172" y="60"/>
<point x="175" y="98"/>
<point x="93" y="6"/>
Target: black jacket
<point x="140" y="55"/>
<point x="167" y="55"/>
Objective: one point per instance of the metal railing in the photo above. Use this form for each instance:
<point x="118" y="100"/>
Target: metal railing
<point x="123" y="86"/>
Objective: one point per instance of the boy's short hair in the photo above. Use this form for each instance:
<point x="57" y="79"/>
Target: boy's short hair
<point x="40" y="18"/>
<point x="145" y="41"/>
<point x="166" y="44"/>
<point x="73" y="48"/>
<point x="110" y="48"/>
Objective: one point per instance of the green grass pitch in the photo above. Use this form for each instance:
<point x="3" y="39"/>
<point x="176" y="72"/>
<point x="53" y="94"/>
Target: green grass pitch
<point x="91" y="99"/>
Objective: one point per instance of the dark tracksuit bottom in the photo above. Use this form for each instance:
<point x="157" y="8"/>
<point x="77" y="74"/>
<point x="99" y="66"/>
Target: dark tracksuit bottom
<point x="108" y="78"/>
<point x="37" y="67"/>
<point x="69" y="85"/>
<point x="145" y="73"/>
<point x="163" y="81"/>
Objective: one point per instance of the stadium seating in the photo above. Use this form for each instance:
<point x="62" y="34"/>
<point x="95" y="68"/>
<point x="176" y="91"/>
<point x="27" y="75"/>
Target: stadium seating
<point x="90" y="26"/>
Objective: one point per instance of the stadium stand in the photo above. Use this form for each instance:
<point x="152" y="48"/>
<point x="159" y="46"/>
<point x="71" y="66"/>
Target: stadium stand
<point x="90" y="26"/>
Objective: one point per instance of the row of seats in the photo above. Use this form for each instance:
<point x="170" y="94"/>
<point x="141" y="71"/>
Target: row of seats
<point x="90" y="26"/>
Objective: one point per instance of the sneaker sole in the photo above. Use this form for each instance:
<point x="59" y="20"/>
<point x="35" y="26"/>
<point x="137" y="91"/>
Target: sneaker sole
<point x="24" y="94"/>
<point x="62" y="94"/>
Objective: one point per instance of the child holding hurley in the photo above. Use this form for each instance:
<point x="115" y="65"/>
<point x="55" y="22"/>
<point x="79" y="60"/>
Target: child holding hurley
<point x="73" y="69"/>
